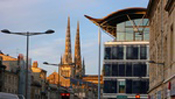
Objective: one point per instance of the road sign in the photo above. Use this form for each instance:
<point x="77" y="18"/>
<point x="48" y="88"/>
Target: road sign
<point x="121" y="97"/>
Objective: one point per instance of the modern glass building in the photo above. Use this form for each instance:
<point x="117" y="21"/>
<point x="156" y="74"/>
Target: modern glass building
<point x="125" y="58"/>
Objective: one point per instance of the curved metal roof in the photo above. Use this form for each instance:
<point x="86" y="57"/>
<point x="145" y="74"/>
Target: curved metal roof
<point x="109" y="22"/>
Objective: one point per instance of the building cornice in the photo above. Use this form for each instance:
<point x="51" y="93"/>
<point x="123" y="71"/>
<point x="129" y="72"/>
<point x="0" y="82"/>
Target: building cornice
<point x="149" y="7"/>
<point x="127" y="43"/>
<point x="169" y="5"/>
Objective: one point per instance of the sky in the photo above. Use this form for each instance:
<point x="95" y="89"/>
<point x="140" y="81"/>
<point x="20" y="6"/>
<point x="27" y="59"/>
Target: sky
<point x="41" y="15"/>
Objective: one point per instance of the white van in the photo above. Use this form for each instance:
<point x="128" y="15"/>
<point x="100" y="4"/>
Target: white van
<point x="8" y="96"/>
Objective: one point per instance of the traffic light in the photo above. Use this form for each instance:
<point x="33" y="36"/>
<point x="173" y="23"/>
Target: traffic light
<point x="65" y="95"/>
<point x="137" y="96"/>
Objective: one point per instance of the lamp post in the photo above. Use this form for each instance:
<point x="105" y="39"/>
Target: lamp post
<point x="153" y="62"/>
<point x="99" y="62"/>
<point x="27" y="34"/>
<point x="46" y="63"/>
<point x="163" y="64"/>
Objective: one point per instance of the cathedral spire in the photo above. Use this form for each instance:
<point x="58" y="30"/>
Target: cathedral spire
<point x="67" y="58"/>
<point x="61" y="60"/>
<point x="77" y="56"/>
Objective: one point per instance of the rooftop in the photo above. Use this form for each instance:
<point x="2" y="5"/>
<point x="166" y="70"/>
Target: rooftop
<point x="109" y="22"/>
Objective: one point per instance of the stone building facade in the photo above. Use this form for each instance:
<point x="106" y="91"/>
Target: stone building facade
<point x="38" y="82"/>
<point x="162" y="68"/>
<point x="10" y="82"/>
<point x="8" y="79"/>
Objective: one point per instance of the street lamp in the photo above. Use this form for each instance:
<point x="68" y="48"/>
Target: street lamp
<point x="27" y="34"/>
<point x="163" y="64"/>
<point x="46" y="63"/>
<point x="99" y="63"/>
<point x="153" y="62"/>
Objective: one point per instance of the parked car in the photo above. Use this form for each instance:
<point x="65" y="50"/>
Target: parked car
<point x="21" y="96"/>
<point x="8" y="96"/>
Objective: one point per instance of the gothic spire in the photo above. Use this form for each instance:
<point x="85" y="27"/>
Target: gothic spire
<point x="61" y="60"/>
<point x="67" y="58"/>
<point x="77" y="56"/>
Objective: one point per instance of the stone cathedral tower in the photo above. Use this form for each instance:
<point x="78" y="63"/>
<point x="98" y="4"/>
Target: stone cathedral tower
<point x="69" y="68"/>
<point x="77" y="56"/>
<point x="66" y="67"/>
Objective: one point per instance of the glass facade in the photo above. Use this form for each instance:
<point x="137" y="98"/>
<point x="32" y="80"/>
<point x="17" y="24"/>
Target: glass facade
<point x="126" y="52"/>
<point x="134" y="69"/>
<point x="110" y="87"/>
<point x="125" y="63"/>
<point x="127" y="86"/>
<point x="134" y="30"/>
<point x="128" y="63"/>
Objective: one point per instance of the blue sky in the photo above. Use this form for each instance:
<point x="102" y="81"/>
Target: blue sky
<point x="40" y="15"/>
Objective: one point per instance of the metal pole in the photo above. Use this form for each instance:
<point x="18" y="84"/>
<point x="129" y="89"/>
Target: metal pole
<point x="58" y="83"/>
<point x="27" y="53"/>
<point x="99" y="43"/>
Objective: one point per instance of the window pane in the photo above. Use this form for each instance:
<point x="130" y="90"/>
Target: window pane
<point x="121" y="69"/>
<point x="136" y="86"/>
<point x="120" y="36"/>
<point x="114" y="52"/>
<point x="146" y="34"/>
<point x="135" y="52"/>
<point x="128" y="86"/>
<point x="121" y="31"/>
<point x="117" y="52"/>
<point x="120" y="52"/>
<point x="143" y="52"/>
<point x="114" y="69"/>
<point x="129" y="23"/>
<point x="129" y="52"/>
<point x="132" y="52"/>
<point x="143" y="69"/>
<point x="110" y="86"/>
<point x="107" y="53"/>
<point x="144" y="86"/>
<point x="107" y="69"/>
<point x="137" y="70"/>
<point x="129" y="69"/>
<point x="129" y="34"/>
